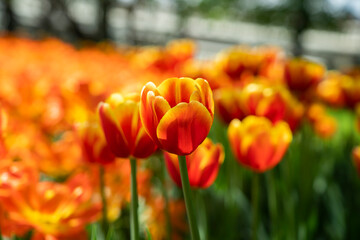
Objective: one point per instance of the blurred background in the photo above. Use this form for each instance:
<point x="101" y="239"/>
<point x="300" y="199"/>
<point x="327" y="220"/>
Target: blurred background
<point x="325" y="30"/>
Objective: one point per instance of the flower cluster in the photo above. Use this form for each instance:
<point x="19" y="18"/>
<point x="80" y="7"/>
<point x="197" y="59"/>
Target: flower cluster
<point x="65" y="113"/>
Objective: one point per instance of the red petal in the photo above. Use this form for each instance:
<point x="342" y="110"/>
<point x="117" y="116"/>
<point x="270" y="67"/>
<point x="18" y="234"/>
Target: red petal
<point x="183" y="128"/>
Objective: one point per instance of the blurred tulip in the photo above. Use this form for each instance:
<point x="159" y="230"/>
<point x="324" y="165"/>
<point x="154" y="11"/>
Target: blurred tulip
<point x="94" y="146"/>
<point x="330" y="89"/>
<point x="124" y="133"/>
<point x="203" y="164"/>
<point x="228" y="104"/>
<point x="273" y="102"/>
<point x="300" y="74"/>
<point x="351" y="87"/>
<point x="156" y="222"/>
<point x="241" y="61"/>
<point x="324" y="125"/>
<point x="177" y="114"/>
<point x="258" y="144"/>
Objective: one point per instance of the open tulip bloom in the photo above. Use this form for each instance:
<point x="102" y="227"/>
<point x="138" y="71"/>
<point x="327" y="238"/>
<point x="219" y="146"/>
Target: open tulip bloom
<point x="178" y="115"/>
<point x="120" y="121"/>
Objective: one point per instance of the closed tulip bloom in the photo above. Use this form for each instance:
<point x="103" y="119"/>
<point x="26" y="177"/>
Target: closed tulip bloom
<point x="177" y="114"/>
<point x="203" y="164"/>
<point x="257" y="143"/>
<point x="93" y="143"/>
<point x="124" y="133"/>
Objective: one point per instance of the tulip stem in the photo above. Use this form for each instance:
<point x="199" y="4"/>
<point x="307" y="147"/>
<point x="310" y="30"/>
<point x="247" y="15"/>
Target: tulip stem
<point x="255" y="205"/>
<point x="105" y="223"/>
<point x="134" y="225"/>
<point x="272" y="202"/>
<point x="166" y="198"/>
<point x="188" y="198"/>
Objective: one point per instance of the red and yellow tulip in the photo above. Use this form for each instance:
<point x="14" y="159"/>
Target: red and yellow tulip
<point x="300" y="74"/>
<point x="93" y="143"/>
<point x="257" y="144"/>
<point x="177" y="114"/>
<point x="203" y="164"/>
<point x="124" y="133"/>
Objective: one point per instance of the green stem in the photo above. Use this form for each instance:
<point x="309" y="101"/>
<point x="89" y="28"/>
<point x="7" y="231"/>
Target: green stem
<point x="134" y="225"/>
<point x="188" y="198"/>
<point x="255" y="205"/>
<point x="202" y="219"/>
<point x="272" y="202"/>
<point x="105" y="223"/>
<point x="166" y="198"/>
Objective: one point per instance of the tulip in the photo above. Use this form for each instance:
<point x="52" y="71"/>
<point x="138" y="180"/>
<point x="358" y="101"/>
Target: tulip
<point x="351" y="88"/>
<point x="330" y="89"/>
<point x="300" y="74"/>
<point x="177" y="114"/>
<point x="228" y="104"/>
<point x="96" y="150"/>
<point x="324" y="125"/>
<point x="203" y="164"/>
<point x="126" y="137"/>
<point x="120" y="121"/>
<point x="257" y="144"/>
<point x="93" y="143"/>
<point x="273" y="102"/>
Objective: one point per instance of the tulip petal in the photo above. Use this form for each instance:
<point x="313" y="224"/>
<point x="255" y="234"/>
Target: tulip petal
<point x="206" y="94"/>
<point x="144" y="145"/>
<point x="127" y="115"/>
<point x="177" y="90"/>
<point x="184" y="127"/>
<point x="152" y="109"/>
<point x="114" y="137"/>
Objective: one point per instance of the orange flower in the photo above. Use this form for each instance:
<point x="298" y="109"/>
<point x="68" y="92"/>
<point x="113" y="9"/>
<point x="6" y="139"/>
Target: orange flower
<point x="258" y="144"/>
<point x="124" y="133"/>
<point x="324" y="125"/>
<point x="156" y="220"/>
<point x="203" y="164"/>
<point x="300" y="74"/>
<point x="330" y="90"/>
<point x="54" y="209"/>
<point x="94" y="146"/>
<point x="177" y="114"/>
